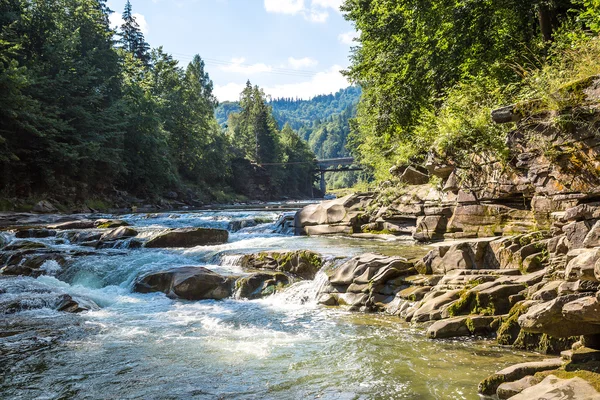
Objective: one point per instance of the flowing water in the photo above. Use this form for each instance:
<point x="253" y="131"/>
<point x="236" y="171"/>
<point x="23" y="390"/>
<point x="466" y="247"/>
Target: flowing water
<point x="282" y="347"/>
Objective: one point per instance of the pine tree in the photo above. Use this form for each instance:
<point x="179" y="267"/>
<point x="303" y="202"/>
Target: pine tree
<point x="132" y="38"/>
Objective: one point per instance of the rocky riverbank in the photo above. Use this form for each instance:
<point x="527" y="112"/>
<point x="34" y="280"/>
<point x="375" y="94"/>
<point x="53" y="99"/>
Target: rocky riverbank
<point x="525" y="264"/>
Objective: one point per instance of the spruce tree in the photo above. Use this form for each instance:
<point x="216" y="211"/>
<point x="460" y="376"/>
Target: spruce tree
<point x="132" y="38"/>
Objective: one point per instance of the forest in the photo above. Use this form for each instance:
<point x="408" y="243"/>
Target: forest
<point x="90" y="113"/>
<point x="323" y="122"/>
<point x="431" y="72"/>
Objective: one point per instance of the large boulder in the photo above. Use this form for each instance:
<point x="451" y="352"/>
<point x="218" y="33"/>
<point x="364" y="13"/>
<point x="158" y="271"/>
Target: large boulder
<point x="554" y="388"/>
<point x="189" y="283"/>
<point x="371" y="269"/>
<point x="189" y="237"/>
<point x="338" y="216"/>
<point x="302" y="263"/>
<point x="566" y="316"/>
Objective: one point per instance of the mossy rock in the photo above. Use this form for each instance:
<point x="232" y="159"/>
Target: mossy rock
<point x="302" y="263"/>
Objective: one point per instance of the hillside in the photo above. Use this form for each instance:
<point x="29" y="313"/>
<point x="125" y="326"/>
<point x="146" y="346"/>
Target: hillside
<point x="322" y="121"/>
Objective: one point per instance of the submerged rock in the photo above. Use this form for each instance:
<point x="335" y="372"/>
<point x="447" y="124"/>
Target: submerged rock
<point x="189" y="237"/>
<point x="189" y="283"/>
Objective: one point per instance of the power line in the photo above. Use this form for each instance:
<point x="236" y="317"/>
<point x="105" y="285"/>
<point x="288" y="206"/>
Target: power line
<point x="272" y="70"/>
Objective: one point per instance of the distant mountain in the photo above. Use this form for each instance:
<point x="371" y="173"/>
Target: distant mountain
<point x="322" y="121"/>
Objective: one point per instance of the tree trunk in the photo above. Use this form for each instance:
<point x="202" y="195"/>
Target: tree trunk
<point x="545" y="18"/>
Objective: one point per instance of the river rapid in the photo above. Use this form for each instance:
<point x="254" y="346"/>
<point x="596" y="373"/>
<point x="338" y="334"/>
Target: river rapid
<point x="281" y="347"/>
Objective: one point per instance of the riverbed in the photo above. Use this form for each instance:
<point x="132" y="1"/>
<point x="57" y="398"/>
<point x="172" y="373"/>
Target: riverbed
<point x="281" y="347"/>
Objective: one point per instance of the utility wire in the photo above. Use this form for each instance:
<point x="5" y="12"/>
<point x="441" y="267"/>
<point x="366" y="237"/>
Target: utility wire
<point x="272" y="70"/>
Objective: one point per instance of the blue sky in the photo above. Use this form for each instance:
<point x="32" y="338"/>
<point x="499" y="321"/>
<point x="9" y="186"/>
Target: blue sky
<point x="291" y="48"/>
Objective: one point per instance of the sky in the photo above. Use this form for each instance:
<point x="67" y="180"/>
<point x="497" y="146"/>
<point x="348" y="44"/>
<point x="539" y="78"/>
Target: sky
<point x="290" y="48"/>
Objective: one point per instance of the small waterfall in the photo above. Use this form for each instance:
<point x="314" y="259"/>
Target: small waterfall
<point x="230" y="260"/>
<point x="305" y="292"/>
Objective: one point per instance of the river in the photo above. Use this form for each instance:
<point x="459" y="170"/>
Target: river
<point x="281" y="347"/>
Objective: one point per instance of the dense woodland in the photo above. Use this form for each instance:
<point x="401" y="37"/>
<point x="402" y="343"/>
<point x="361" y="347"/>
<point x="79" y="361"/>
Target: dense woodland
<point x="86" y="112"/>
<point x="431" y="71"/>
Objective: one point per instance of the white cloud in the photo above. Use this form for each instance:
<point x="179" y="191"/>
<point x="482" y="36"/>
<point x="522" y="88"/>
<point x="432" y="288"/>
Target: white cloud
<point x="317" y="16"/>
<point x="348" y="37"/>
<point x="291" y="7"/>
<point x="116" y="20"/>
<point x="324" y="82"/>
<point x="299" y="63"/>
<point x="237" y="65"/>
<point x="335" y="4"/>
<point x="316" y="12"/>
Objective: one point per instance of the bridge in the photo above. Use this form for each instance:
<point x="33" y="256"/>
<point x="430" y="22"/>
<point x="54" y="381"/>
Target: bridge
<point x="326" y="165"/>
<point x="334" y="165"/>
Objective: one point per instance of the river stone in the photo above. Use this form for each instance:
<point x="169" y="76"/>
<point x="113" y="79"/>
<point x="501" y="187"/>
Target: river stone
<point x="581" y="212"/>
<point x="460" y="326"/>
<point x="371" y="268"/>
<point x="78" y="224"/>
<point x="429" y="307"/>
<point x="122" y="232"/>
<point x="509" y="389"/>
<point x="189" y="237"/>
<point x="31" y="264"/>
<point x="301" y="263"/>
<point x="19" y="245"/>
<point x="260" y="285"/>
<point x="36" y="233"/>
<point x="554" y="388"/>
<point x="337" y="216"/>
<point x="490" y="385"/>
<point x="549" y="318"/>
<point x="109" y="223"/>
<point x="189" y="283"/>
<point x="584" y="310"/>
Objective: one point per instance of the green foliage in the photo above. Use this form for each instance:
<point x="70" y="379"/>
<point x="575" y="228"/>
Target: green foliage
<point x="432" y="71"/>
<point x="83" y="117"/>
